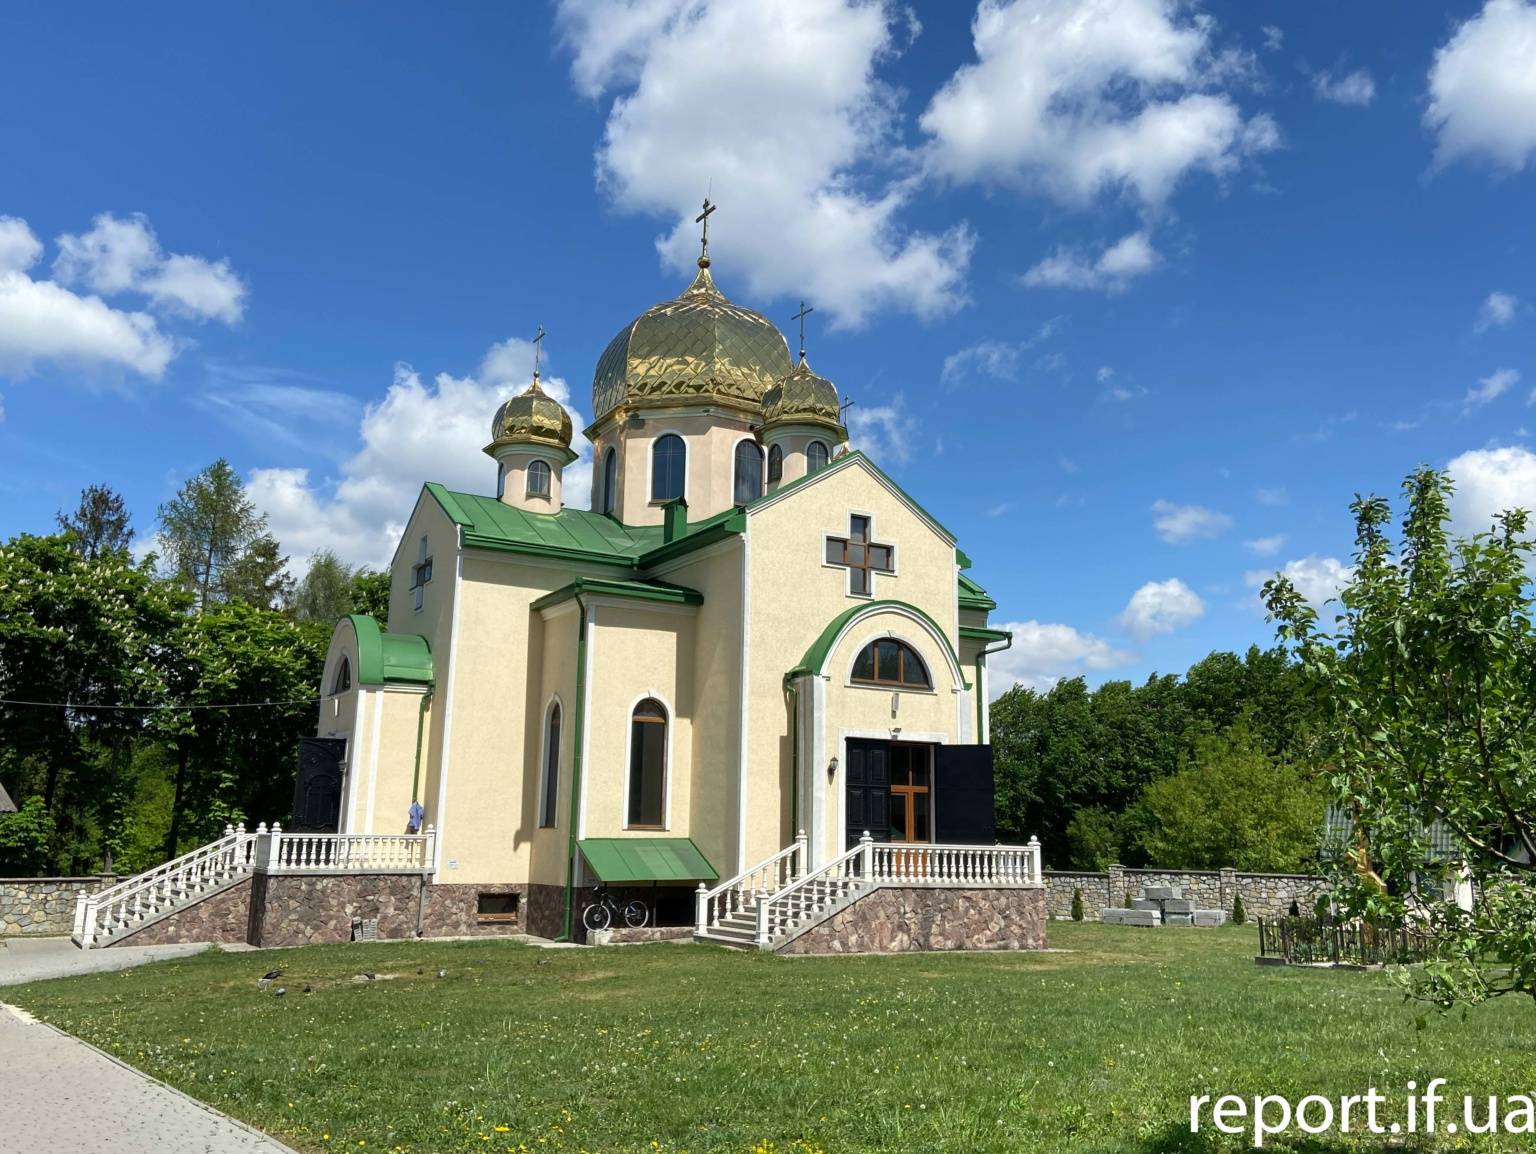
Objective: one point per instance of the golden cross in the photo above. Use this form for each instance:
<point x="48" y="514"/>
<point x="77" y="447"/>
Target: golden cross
<point x="703" y="218"/>
<point x="800" y="316"/>
<point x="538" y="341"/>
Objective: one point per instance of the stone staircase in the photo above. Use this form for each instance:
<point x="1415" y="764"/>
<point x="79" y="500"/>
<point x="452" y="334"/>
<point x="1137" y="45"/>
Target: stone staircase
<point x="817" y="900"/>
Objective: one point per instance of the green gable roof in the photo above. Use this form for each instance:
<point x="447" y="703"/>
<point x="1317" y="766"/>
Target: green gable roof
<point x="659" y="591"/>
<point x="385" y="657"/>
<point x="623" y="860"/>
<point x="973" y="596"/>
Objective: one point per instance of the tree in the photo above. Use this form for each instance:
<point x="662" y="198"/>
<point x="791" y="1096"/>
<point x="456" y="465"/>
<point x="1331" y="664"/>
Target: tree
<point x="259" y="576"/>
<point x="24" y="838"/>
<point x="1092" y="838"/>
<point x="1077" y="905"/>
<point x="1232" y="805"/>
<point x="370" y="594"/>
<point x="99" y="524"/>
<point x="1425" y="686"/>
<point x="207" y="529"/>
<point x="327" y="591"/>
<point x="1239" y="914"/>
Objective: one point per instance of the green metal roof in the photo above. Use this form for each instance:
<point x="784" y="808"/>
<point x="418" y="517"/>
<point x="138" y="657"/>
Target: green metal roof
<point x="816" y="656"/>
<point x="976" y="633"/>
<point x="385" y="656"/>
<point x="662" y="591"/>
<point x="973" y="596"/>
<point x="621" y="860"/>
<point x="575" y="534"/>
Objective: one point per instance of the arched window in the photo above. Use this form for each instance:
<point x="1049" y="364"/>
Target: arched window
<point x="343" y="679"/>
<point x="891" y="662"/>
<point x="647" y="764"/>
<point x="549" y="796"/>
<point x="749" y="472"/>
<point x="816" y="456"/>
<point x="669" y="460"/>
<point x="538" y="479"/>
<point x="775" y="465"/>
<point x="610" y="480"/>
<point x="501" y="481"/>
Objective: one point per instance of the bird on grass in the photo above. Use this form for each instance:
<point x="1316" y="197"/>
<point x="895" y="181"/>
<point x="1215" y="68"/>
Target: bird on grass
<point x="279" y="992"/>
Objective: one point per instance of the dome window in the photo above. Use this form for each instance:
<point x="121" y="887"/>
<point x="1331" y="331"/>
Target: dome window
<point x="669" y="462"/>
<point x="775" y="465"/>
<point x="610" y="481"/>
<point x="816" y="456"/>
<point x="538" y="479"/>
<point x="749" y="472"/>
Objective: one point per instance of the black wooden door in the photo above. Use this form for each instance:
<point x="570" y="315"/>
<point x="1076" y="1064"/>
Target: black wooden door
<point x="962" y="788"/>
<point x="317" y="789"/>
<point x="868" y="785"/>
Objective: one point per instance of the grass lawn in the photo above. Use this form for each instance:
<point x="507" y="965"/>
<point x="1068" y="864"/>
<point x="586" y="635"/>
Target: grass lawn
<point x="684" y="1047"/>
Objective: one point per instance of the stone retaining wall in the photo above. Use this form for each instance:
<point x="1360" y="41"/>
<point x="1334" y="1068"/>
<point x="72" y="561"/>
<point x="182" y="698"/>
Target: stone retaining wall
<point x="308" y="909"/>
<point x="44" y="905"/>
<point x="221" y="917"/>
<point x="453" y="910"/>
<point x="1264" y="895"/>
<point x="898" y="919"/>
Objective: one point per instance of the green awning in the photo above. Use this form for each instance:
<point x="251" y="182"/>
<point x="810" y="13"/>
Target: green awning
<point x="622" y="860"/>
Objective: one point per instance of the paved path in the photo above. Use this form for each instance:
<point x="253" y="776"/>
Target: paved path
<point x="32" y="959"/>
<point x="66" y="1097"/>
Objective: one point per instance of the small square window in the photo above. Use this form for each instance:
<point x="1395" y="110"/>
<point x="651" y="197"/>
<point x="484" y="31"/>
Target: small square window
<point x="496" y="909"/>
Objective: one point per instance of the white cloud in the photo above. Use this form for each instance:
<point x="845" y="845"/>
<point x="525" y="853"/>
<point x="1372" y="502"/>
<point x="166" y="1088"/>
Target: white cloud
<point x="1491" y="387"/>
<point x="1266" y="546"/>
<point x="1489" y="481"/>
<point x="1498" y="310"/>
<point x="884" y="432"/>
<point x="419" y="431"/>
<point x="1075" y="100"/>
<point x="1317" y="579"/>
<point x="773" y="105"/>
<point x="1274" y="37"/>
<point x="1161" y="607"/>
<point x="123" y="255"/>
<point x="19" y="246"/>
<point x="43" y="321"/>
<point x="1110" y="271"/>
<point x="1355" y="87"/>
<point x="993" y="358"/>
<point x="1482" y="88"/>
<point x="1043" y="654"/>
<point x="1178" y="524"/>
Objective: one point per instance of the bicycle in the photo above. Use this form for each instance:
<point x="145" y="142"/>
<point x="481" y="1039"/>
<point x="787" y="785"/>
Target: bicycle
<point x="604" y="910"/>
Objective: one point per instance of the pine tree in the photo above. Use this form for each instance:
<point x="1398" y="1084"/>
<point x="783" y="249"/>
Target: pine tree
<point x="1239" y="915"/>
<point x="1077" y="905"/>
<point x="207" y="528"/>
<point x="99" y="524"/>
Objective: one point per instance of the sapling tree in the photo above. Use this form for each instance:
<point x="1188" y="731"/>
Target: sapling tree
<point x="1426" y="685"/>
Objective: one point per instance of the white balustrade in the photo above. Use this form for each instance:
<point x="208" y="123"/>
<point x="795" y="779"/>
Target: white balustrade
<point x="740" y="893"/>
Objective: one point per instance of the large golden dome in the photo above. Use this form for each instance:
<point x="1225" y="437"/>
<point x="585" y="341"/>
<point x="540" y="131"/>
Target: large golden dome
<point x="532" y="417"/>
<point x="803" y="398"/>
<point x="697" y="347"/>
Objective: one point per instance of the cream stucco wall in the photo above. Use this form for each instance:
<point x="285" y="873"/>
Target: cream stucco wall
<point x="512" y="463"/>
<point x="795" y="440"/>
<point x="710" y="435"/>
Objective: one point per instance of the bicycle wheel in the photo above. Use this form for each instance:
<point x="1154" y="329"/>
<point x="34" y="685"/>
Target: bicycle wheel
<point x="596" y="917"/>
<point x="636" y="914"/>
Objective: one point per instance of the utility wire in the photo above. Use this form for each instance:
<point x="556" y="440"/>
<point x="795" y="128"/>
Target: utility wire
<point x="230" y="705"/>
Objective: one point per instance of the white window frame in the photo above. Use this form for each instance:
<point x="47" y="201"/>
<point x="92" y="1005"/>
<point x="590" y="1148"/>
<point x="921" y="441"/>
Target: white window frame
<point x="762" y="468"/>
<point x="547" y="473"/>
<point x="650" y="478"/>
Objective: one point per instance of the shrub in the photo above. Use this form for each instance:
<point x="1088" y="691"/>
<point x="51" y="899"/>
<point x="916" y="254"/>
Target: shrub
<point x="1077" y="905"/>
<point x="1239" y="915"/>
<point x="24" y="837"/>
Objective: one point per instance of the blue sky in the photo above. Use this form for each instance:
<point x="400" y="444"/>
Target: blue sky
<point x="1134" y="295"/>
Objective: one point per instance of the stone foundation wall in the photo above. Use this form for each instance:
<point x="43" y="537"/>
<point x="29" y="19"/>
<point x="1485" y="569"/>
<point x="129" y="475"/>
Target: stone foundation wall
<point x="897" y="919"/>
<point x="44" y="905"/>
<point x="1264" y="895"/>
<point x="301" y="910"/>
<point x="453" y="911"/>
<point x="223" y="917"/>
<point x="544" y="913"/>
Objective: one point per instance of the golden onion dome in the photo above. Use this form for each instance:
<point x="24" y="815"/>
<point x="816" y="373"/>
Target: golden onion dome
<point x="696" y="347"/>
<point x="533" y="417"/>
<point x="803" y="398"/>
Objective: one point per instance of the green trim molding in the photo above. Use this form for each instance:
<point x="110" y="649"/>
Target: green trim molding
<point x="838" y="465"/>
<point x="383" y="657"/>
<point x="660" y="592"/>
<point x="816" y="656"/>
<point x="976" y="633"/>
<point x="626" y="860"/>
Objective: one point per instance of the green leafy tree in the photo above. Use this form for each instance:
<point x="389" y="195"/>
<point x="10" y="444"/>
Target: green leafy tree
<point x="24" y="839"/>
<point x="259" y="576"/>
<point x="206" y="530"/>
<point x="1092" y="837"/>
<point x="328" y="591"/>
<point x="370" y="594"/>
<point x="1232" y="805"/>
<point x="99" y="523"/>
<point x="1425" y="684"/>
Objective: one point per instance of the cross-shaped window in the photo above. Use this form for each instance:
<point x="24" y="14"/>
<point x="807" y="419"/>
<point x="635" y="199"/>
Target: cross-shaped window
<point x="862" y="557"/>
<point x="421" y="573"/>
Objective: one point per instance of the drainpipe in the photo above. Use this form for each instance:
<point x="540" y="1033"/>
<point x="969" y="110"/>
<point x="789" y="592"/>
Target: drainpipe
<point x="981" y="704"/>
<point x="576" y="756"/>
<point x="794" y="753"/>
<point x="421" y="720"/>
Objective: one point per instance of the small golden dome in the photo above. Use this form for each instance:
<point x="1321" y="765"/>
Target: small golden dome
<point x="531" y="417"/>
<point x="803" y="398"/>
<point x="695" y="347"/>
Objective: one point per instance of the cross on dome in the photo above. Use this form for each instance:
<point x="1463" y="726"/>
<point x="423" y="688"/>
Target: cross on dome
<point x="703" y="218"/>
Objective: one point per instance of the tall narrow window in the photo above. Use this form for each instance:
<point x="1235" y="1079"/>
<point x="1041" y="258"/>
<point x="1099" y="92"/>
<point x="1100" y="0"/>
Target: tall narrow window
<point x="816" y="456"/>
<point x="501" y="481"/>
<point x="775" y="465"/>
<point x="343" y="680"/>
<point x="421" y="574"/>
<point x="538" y="479"/>
<point x="749" y="472"/>
<point x="610" y="481"/>
<point x="647" y="764"/>
<point x="549" y="800"/>
<point x="669" y="460"/>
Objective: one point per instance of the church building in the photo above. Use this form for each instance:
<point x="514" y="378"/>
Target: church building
<point x="752" y="634"/>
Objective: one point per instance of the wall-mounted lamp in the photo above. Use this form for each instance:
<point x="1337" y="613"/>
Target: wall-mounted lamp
<point x="832" y="768"/>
